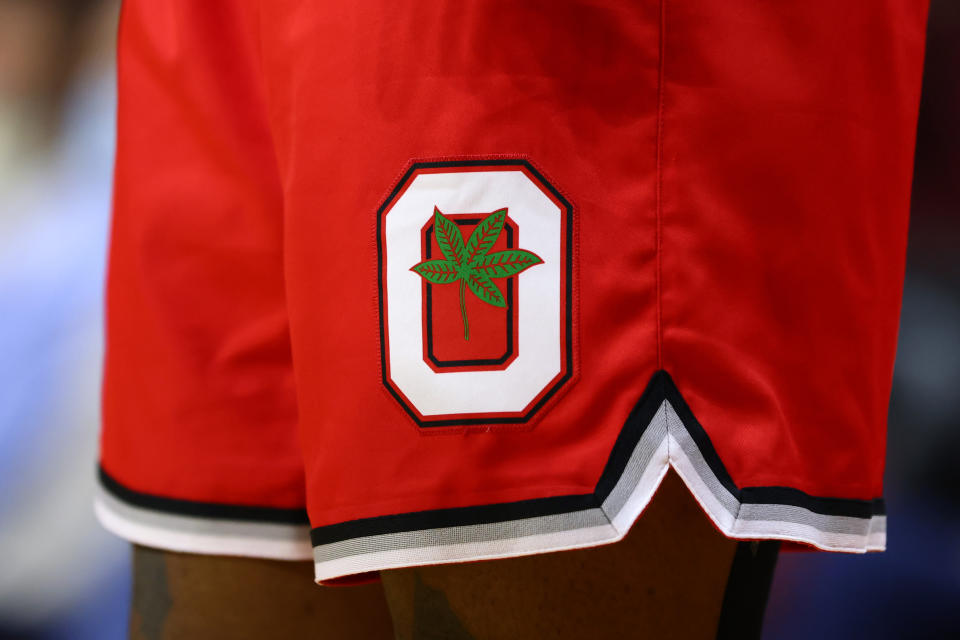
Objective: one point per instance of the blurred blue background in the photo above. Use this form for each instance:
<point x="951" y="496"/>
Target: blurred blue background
<point x="63" y="577"/>
<point x="913" y="590"/>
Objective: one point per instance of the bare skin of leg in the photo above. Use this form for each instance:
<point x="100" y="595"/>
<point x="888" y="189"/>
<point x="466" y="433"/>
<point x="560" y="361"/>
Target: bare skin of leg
<point x="665" y="580"/>
<point x="179" y="596"/>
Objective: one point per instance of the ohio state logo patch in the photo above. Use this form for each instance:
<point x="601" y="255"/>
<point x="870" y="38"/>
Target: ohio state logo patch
<point x="475" y="292"/>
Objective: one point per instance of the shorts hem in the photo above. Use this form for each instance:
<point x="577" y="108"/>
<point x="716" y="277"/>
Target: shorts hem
<point x="660" y="433"/>
<point x="191" y="533"/>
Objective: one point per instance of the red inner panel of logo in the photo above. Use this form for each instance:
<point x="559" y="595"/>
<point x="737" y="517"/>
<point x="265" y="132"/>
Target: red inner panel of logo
<point x="493" y="340"/>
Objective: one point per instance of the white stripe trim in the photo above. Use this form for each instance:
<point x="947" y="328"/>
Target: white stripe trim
<point x="757" y="529"/>
<point x="208" y="536"/>
<point x="664" y="443"/>
<point x="667" y="437"/>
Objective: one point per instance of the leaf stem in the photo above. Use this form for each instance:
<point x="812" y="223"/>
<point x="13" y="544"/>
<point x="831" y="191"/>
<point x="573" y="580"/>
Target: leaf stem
<point x="463" y="310"/>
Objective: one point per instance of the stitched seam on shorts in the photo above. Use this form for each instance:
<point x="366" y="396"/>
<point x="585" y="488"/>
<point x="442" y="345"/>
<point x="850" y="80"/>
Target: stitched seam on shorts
<point x="659" y="183"/>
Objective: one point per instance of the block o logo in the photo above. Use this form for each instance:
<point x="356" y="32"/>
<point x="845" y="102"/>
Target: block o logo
<point x="475" y="283"/>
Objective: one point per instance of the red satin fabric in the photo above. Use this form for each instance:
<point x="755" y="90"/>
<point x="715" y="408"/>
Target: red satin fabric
<point x="740" y="173"/>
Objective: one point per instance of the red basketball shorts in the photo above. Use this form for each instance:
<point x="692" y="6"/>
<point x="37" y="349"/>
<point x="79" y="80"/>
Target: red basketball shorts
<point x="401" y="283"/>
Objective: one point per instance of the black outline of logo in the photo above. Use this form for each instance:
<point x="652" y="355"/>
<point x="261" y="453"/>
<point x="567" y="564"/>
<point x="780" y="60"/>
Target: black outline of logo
<point x="567" y="211"/>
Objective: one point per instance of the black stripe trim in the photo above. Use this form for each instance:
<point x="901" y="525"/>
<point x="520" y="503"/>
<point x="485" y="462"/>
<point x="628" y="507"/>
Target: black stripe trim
<point x="454" y="517"/>
<point x="208" y="510"/>
<point x="660" y="388"/>
<point x="764" y="495"/>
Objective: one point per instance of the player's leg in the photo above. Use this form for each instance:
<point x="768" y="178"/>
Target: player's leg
<point x="666" y="579"/>
<point x="179" y="595"/>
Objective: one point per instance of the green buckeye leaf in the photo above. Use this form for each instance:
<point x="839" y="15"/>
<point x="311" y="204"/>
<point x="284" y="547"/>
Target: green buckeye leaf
<point x="503" y="264"/>
<point x="470" y="264"/>
<point x="484" y="288"/>
<point x="486" y="233"/>
<point x="449" y="238"/>
<point x="437" y="271"/>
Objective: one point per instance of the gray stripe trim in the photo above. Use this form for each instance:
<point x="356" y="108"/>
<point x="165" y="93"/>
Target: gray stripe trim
<point x="799" y="515"/>
<point x="639" y="461"/>
<point x="665" y="422"/>
<point x="764" y="512"/>
<point x="679" y="432"/>
<point x="459" y="535"/>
